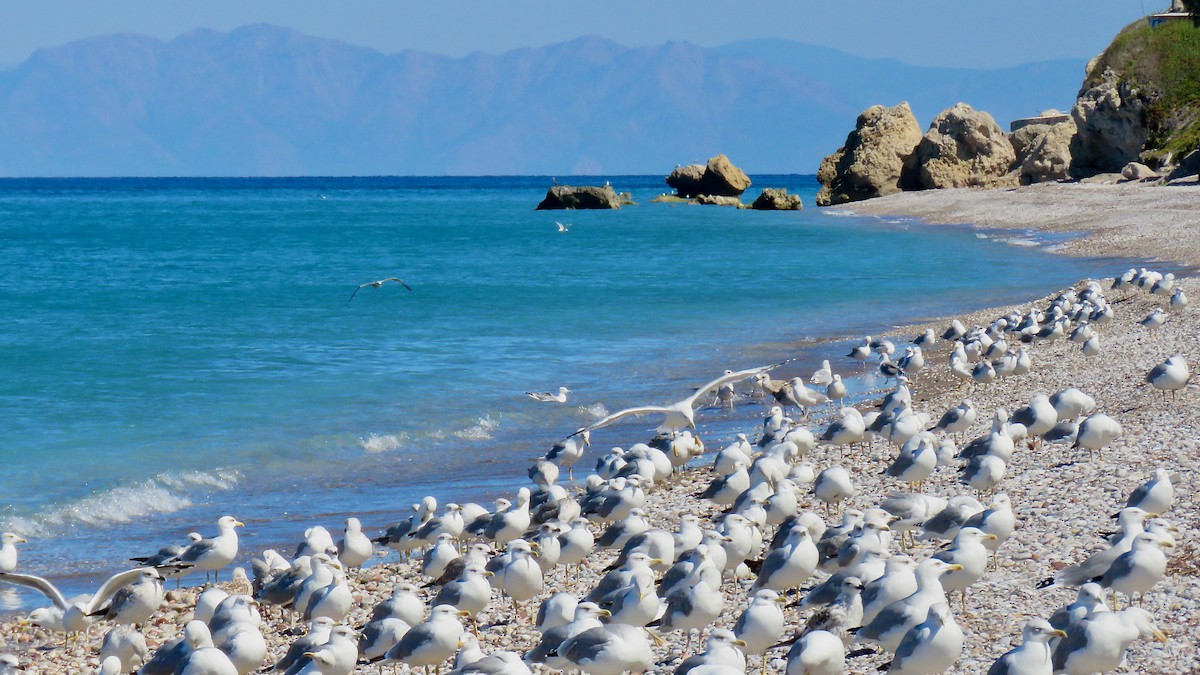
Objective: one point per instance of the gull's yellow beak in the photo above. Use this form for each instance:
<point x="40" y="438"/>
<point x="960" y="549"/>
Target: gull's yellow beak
<point x="463" y="612"/>
<point x="238" y="523"/>
<point x="1160" y="636"/>
<point x="1059" y="633"/>
<point x="955" y="567"/>
<point x="604" y="612"/>
<point x="740" y="643"/>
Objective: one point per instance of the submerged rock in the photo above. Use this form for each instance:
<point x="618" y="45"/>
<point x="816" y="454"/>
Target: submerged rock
<point x="773" y="199"/>
<point x="963" y="147"/>
<point x="580" y="197"/>
<point x="719" y="200"/>
<point x="872" y="160"/>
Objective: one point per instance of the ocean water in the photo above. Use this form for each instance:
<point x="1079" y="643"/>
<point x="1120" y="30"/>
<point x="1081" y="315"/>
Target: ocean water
<point x="175" y="350"/>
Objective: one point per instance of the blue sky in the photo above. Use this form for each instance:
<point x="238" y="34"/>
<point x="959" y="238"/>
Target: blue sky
<point x="970" y="33"/>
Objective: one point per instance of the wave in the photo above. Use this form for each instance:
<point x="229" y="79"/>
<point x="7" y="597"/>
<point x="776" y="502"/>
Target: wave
<point x="384" y="443"/>
<point x="480" y="431"/>
<point x="596" y="410"/>
<point x="165" y="493"/>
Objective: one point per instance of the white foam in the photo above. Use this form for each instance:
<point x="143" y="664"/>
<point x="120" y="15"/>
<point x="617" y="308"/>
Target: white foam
<point x="481" y="431"/>
<point x="165" y="493"/>
<point x="839" y="212"/>
<point x="596" y="410"/>
<point x="384" y="443"/>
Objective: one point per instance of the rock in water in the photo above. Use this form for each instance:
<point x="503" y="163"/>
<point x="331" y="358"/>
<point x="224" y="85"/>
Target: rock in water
<point x="722" y="179"/>
<point x="718" y="178"/>
<point x="773" y="199"/>
<point x="1043" y="152"/>
<point x="718" y="200"/>
<point x="580" y="197"/>
<point x="963" y="147"/>
<point x="685" y="180"/>
<point x="871" y="162"/>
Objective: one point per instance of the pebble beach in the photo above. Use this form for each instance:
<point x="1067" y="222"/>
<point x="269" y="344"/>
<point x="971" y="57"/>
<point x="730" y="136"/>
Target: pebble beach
<point x="1063" y="498"/>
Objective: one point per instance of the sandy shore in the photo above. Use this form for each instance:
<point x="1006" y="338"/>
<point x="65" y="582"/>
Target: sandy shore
<point x="1125" y="220"/>
<point x="1062" y="499"/>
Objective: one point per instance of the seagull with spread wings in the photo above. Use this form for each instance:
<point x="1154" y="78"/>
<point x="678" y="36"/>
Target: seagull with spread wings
<point x="682" y="414"/>
<point x="74" y="615"/>
<point x="377" y="284"/>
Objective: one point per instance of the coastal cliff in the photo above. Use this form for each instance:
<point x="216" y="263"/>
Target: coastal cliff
<point x="1136" y="114"/>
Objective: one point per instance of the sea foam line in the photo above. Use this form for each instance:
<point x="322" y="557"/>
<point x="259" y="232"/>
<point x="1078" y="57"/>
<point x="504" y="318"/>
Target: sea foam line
<point x="164" y="493"/>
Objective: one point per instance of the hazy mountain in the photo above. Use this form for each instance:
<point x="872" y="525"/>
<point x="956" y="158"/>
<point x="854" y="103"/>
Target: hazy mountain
<point x="262" y="100"/>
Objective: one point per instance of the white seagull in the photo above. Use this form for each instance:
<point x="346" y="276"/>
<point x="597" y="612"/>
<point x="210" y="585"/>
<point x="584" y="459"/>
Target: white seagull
<point x="549" y="397"/>
<point x="377" y="284"/>
<point x="681" y="414"/>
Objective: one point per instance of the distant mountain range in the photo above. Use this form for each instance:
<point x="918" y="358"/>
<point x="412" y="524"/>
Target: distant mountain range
<point x="262" y="100"/>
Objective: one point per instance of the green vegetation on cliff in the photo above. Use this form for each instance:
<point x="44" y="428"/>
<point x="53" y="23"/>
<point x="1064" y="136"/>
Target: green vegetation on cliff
<point x="1163" y="65"/>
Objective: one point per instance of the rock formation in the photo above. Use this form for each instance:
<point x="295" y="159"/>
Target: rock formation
<point x="580" y="197"/>
<point x="1043" y="152"/>
<point x="773" y="199"/>
<point x="1137" y="171"/>
<point x="1110" y="116"/>
<point x="871" y="162"/>
<point x="719" y="200"/>
<point x="718" y="178"/>
<point x="963" y="148"/>
<point x="685" y="180"/>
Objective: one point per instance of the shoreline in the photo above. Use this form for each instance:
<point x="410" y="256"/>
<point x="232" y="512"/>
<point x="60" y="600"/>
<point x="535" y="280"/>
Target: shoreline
<point x="1055" y="526"/>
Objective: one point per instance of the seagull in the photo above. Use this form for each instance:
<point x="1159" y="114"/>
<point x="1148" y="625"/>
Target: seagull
<point x="210" y="555"/>
<point x="931" y="646"/>
<point x="549" y="397"/>
<point x="608" y="650"/>
<point x="819" y="653"/>
<point x="563" y="227"/>
<point x="1170" y="375"/>
<point x="8" y="551"/>
<point x="1138" y="569"/>
<point x="430" y="643"/>
<point x="75" y="616"/>
<point x="681" y="414"/>
<point x="377" y="284"/>
<point x="1099" y="644"/>
<point x="1155" y="495"/>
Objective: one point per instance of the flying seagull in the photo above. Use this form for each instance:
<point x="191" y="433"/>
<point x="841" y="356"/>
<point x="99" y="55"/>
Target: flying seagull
<point x="563" y="227"/>
<point x="377" y="284"/>
<point x="681" y="414"/>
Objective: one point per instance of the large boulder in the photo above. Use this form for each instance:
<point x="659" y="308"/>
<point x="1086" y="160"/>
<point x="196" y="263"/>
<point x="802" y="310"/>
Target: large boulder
<point x="722" y="179"/>
<point x="1043" y="152"/>
<point x="773" y="199"/>
<point x="718" y="178"/>
<point x="685" y="180"/>
<point x="1137" y="171"/>
<point x="580" y="197"/>
<point x="963" y="147"/>
<point x="871" y="162"/>
<point x="1111" y="119"/>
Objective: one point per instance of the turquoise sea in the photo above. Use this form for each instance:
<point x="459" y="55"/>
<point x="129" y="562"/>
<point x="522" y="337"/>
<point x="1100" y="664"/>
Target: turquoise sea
<point x="174" y="350"/>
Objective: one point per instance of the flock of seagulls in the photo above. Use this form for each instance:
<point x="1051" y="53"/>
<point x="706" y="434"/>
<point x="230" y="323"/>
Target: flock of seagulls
<point x="770" y="526"/>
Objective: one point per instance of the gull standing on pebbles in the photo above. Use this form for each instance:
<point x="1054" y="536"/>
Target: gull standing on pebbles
<point x="833" y="485"/>
<point x="817" y="653"/>
<point x="1099" y="644"/>
<point x="1033" y="656"/>
<point x="549" y="397"/>
<point x="73" y="617"/>
<point x="1155" y="495"/>
<point x="721" y="650"/>
<point x="1137" y="570"/>
<point x="970" y="555"/>
<point x="608" y="650"/>
<point x="1155" y="319"/>
<point x="210" y="555"/>
<point x="761" y="625"/>
<point x="355" y="548"/>
<point x="430" y="643"/>
<point x="1170" y="375"/>
<point x="931" y="646"/>
<point x="889" y="627"/>
<point x="1096" y="432"/>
